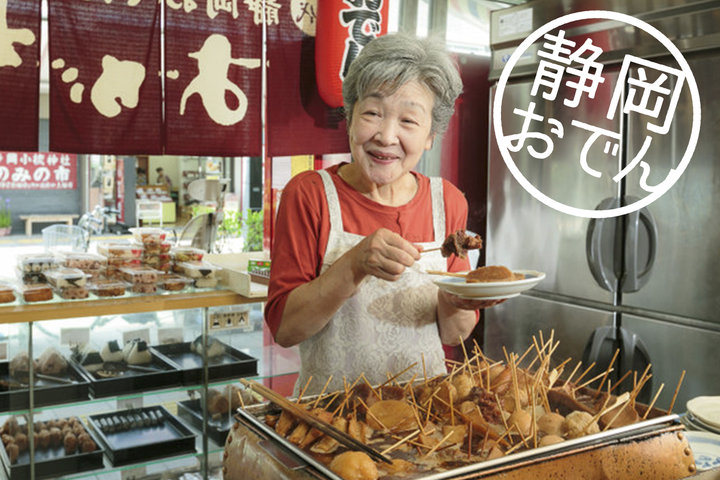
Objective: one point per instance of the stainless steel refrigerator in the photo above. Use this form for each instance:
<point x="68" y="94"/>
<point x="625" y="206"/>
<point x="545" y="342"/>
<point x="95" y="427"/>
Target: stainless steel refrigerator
<point x="646" y="283"/>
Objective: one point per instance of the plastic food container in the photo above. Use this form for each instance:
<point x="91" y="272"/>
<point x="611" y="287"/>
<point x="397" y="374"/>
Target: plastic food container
<point x="156" y="259"/>
<point x="157" y="248"/>
<point x="7" y="294"/>
<point x="83" y="261"/>
<point x="72" y="293"/>
<point x="174" y="282"/>
<point x="140" y="275"/>
<point x="149" y="235"/>
<point x="120" y="250"/>
<point x="36" y="262"/>
<point x="206" y="282"/>
<point x="143" y="287"/>
<point x="36" y="292"/>
<point x="108" y="288"/>
<point x="67" y="278"/>
<point x="120" y="262"/>
<point x="187" y="254"/>
<point x="199" y="269"/>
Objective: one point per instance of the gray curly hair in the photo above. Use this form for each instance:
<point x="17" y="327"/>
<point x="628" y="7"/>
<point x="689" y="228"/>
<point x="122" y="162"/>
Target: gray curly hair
<point x="390" y="61"/>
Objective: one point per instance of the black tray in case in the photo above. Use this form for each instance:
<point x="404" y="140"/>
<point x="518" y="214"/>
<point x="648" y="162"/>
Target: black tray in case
<point x="231" y="364"/>
<point x="53" y="462"/>
<point x="159" y="373"/>
<point x="144" y="442"/>
<point x="218" y="426"/>
<point x="47" y="392"/>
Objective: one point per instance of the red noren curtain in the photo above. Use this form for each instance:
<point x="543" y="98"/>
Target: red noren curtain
<point x="105" y="89"/>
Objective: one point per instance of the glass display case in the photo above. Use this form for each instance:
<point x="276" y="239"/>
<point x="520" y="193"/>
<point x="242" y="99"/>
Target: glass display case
<point x="139" y="386"/>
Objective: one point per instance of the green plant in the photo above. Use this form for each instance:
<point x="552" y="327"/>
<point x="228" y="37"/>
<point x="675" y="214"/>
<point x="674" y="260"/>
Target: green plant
<point x="254" y="234"/>
<point x="231" y="225"/>
<point x="5" y="215"/>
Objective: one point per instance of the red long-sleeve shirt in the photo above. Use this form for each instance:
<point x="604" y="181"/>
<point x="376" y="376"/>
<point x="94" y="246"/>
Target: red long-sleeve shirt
<point x="303" y="225"/>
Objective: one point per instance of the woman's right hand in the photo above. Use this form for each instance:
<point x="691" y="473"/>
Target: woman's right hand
<point x="383" y="254"/>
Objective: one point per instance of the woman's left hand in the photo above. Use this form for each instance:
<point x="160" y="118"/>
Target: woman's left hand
<point x="468" y="303"/>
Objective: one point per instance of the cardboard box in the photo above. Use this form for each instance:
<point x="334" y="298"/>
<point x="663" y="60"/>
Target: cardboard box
<point x="234" y="273"/>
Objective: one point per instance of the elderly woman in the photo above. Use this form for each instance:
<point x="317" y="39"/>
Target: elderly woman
<point x="347" y="283"/>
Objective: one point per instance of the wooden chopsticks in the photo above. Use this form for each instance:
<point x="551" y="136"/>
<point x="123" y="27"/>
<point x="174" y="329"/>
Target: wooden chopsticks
<point x="302" y="414"/>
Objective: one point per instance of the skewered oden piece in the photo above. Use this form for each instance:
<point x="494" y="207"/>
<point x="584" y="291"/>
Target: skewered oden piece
<point x="458" y="243"/>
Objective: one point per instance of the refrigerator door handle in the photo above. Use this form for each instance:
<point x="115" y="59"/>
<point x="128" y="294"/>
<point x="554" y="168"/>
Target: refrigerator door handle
<point x="600" y="247"/>
<point x="635" y="357"/>
<point x="637" y="276"/>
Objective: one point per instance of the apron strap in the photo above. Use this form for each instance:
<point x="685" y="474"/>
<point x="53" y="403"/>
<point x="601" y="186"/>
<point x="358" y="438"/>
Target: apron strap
<point x="333" y="202"/>
<point x="438" y="209"/>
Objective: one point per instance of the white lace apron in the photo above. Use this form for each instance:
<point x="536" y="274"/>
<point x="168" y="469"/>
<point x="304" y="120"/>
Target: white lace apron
<point x="385" y="326"/>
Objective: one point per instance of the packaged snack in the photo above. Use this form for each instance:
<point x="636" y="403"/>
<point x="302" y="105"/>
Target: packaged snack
<point x="140" y="275"/>
<point x="83" y="261"/>
<point x="72" y="293"/>
<point x="120" y="262"/>
<point x="108" y="288"/>
<point x="7" y="294"/>
<point x="144" y="287"/>
<point x="163" y="267"/>
<point x="36" y="262"/>
<point x="157" y="248"/>
<point x="156" y="259"/>
<point x="121" y="250"/>
<point x="36" y="292"/>
<point x="173" y="282"/>
<point x="149" y="235"/>
<point x="187" y="254"/>
<point x="66" y="278"/>
<point x="206" y="282"/>
<point x="199" y="269"/>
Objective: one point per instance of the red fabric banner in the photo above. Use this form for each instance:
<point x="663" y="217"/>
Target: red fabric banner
<point x="19" y="73"/>
<point x="105" y="88"/>
<point x="213" y="90"/>
<point x="38" y="171"/>
<point x="298" y="121"/>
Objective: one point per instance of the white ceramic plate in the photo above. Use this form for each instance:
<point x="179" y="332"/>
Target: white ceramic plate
<point x="490" y="290"/>
<point x="705" y="409"/>
<point x="706" y="449"/>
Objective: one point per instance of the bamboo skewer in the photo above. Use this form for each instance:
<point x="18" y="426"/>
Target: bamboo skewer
<point x="588" y="382"/>
<point x="446" y="274"/>
<point x="653" y="401"/>
<point x="302" y="392"/>
<point x="322" y="391"/>
<point x="585" y="372"/>
<point x="622" y="379"/>
<point x="572" y="374"/>
<point x="438" y="444"/>
<point x="677" y="389"/>
<point x="422" y="357"/>
<point x="469" y="440"/>
<point x="400" y="442"/>
<point x="397" y="375"/>
<point x="602" y="382"/>
<point x="368" y="412"/>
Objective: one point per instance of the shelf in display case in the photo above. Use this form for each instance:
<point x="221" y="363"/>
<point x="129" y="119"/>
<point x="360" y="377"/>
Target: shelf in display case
<point x="129" y="303"/>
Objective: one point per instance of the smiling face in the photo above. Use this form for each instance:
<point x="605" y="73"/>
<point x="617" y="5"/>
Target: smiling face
<point x="389" y="133"/>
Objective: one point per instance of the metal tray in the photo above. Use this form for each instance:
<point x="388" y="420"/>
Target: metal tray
<point x="165" y="375"/>
<point x="252" y="418"/>
<point x="232" y="364"/>
<point x="53" y="462"/>
<point x="143" y="443"/>
<point x="217" y="428"/>
<point x="46" y="392"/>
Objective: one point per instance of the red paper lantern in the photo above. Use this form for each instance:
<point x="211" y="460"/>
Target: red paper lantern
<point x="344" y="27"/>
